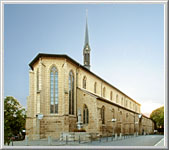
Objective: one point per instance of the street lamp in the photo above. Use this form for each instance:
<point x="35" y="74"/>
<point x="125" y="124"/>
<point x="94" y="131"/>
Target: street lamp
<point x="139" y="116"/>
<point x="39" y="117"/>
<point x="113" y="120"/>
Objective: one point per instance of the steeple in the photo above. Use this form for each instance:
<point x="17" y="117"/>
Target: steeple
<point x="86" y="49"/>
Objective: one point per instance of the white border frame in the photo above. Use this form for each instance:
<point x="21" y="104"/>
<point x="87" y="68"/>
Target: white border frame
<point x="164" y="2"/>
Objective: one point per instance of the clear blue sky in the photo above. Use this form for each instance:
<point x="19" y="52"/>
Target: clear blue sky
<point x="127" y="44"/>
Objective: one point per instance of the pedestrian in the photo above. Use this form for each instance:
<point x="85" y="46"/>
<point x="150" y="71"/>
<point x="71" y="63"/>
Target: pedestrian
<point x="143" y="132"/>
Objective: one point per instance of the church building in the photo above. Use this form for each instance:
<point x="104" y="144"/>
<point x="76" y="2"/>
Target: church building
<point x="59" y="87"/>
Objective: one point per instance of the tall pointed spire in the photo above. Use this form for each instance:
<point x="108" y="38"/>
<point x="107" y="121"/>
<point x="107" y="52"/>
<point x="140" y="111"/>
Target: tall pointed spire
<point x="86" y="50"/>
<point x="86" y="33"/>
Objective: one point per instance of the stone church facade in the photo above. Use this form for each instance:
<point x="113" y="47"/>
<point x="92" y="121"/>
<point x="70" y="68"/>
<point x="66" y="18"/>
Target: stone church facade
<point x="59" y="87"/>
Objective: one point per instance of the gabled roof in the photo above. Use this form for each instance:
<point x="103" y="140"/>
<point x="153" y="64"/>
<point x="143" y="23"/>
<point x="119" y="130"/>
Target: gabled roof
<point x="76" y="63"/>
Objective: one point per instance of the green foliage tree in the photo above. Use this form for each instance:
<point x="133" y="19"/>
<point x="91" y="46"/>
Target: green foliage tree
<point x="158" y="117"/>
<point x="14" y="118"/>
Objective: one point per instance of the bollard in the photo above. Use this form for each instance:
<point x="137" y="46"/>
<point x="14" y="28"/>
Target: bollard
<point x="79" y="139"/>
<point x="66" y="139"/>
<point x="120" y="136"/>
<point x="115" y="136"/>
<point x="26" y="140"/>
<point x="49" y="140"/>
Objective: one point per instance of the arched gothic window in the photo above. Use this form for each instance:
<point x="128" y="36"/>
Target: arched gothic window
<point x="111" y="95"/>
<point x="95" y="87"/>
<point x="122" y="101"/>
<point x="121" y="117"/>
<point x="104" y="92"/>
<point x="85" y="115"/>
<point x="84" y="82"/>
<point x="71" y="93"/>
<point x="117" y="98"/>
<point x="103" y="114"/>
<point x="126" y="103"/>
<point x="53" y="90"/>
<point x="126" y="116"/>
<point x="37" y="78"/>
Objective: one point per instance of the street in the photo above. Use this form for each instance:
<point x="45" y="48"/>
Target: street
<point x="148" y="140"/>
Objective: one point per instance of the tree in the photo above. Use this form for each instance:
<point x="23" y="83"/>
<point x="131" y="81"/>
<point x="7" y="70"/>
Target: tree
<point x="158" y="117"/>
<point x="14" y="118"/>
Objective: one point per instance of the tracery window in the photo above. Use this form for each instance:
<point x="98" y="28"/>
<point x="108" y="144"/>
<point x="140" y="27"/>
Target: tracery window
<point x="53" y="90"/>
<point x="103" y="114"/>
<point x="85" y="115"/>
<point x="71" y="93"/>
<point x="95" y="87"/>
<point x="84" y="82"/>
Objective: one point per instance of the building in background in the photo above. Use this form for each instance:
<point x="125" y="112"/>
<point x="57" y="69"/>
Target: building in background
<point x="59" y="87"/>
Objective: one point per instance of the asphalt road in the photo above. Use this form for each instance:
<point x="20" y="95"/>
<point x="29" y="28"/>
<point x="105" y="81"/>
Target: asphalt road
<point x="148" y="140"/>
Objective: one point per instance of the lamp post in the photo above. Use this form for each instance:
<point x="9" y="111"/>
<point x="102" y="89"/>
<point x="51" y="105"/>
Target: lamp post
<point x="134" y="123"/>
<point x="39" y="117"/>
<point x="139" y="116"/>
<point x="113" y="120"/>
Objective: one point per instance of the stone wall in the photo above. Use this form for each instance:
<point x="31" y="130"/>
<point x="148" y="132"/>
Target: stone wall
<point x="53" y="124"/>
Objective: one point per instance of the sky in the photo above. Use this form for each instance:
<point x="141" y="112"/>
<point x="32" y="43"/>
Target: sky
<point x="126" y="41"/>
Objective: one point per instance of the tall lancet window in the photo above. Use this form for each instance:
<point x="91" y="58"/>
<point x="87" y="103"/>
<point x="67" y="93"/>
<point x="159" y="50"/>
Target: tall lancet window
<point x="103" y="114"/>
<point x="95" y="87"/>
<point x="85" y="115"/>
<point x="111" y="95"/>
<point x="117" y="98"/>
<point x="104" y="92"/>
<point x="71" y="93"/>
<point x="53" y="90"/>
